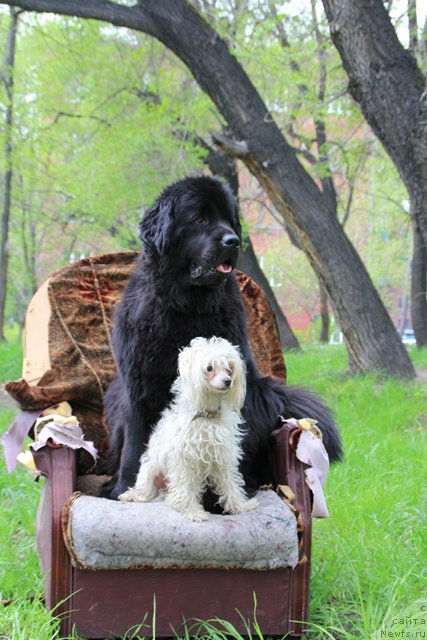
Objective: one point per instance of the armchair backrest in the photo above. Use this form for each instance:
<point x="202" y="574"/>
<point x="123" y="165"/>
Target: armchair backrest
<point x="68" y="353"/>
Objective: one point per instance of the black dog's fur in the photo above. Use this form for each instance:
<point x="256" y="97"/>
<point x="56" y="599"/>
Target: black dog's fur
<point x="178" y="293"/>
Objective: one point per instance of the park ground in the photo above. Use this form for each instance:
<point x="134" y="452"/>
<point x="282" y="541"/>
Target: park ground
<point x="368" y="575"/>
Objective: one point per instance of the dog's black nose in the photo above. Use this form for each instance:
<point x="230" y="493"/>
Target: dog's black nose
<point x="227" y="382"/>
<point x="230" y="240"/>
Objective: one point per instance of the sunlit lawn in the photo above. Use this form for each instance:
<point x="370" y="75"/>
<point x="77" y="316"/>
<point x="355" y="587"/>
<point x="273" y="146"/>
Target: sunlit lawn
<point x="367" y="567"/>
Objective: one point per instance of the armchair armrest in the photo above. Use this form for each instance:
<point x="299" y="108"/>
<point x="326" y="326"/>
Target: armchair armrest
<point x="290" y="471"/>
<point x="58" y="466"/>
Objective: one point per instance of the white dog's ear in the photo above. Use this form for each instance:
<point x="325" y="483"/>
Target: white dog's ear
<point x="184" y="360"/>
<point x="189" y="366"/>
<point x="237" y="392"/>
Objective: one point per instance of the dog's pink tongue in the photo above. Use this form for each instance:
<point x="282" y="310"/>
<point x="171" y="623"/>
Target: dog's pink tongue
<point x="224" y="268"/>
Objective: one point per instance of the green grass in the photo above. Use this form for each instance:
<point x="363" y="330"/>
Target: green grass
<point x="367" y="566"/>
<point x="367" y="557"/>
<point x="419" y="357"/>
<point x="10" y="356"/>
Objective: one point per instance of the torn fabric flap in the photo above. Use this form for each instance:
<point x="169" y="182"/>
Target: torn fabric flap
<point x="15" y="436"/>
<point x="311" y="450"/>
<point x="66" y="432"/>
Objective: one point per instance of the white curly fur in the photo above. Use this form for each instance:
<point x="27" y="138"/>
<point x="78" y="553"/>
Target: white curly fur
<point x="197" y="441"/>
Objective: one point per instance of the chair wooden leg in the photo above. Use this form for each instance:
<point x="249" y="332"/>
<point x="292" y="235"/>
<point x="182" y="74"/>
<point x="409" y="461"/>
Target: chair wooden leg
<point x="58" y="465"/>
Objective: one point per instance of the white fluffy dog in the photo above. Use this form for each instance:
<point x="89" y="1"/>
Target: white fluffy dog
<point x="197" y="441"/>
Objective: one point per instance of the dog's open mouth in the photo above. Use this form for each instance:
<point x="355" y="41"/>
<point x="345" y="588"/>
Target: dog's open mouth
<point x="197" y="271"/>
<point x="226" y="267"/>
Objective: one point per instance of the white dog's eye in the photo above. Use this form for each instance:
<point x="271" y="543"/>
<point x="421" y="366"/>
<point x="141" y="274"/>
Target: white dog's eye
<point x="209" y="368"/>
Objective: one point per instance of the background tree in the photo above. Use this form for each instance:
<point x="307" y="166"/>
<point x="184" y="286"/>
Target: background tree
<point x="370" y="336"/>
<point x="390" y="88"/>
<point x="79" y="135"/>
<point x="7" y="81"/>
<point x="224" y="165"/>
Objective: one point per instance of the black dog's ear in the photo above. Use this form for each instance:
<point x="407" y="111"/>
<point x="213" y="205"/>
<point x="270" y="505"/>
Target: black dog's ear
<point x="157" y="223"/>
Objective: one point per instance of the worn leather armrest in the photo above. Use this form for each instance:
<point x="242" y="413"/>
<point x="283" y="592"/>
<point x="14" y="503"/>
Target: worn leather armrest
<point x="58" y="466"/>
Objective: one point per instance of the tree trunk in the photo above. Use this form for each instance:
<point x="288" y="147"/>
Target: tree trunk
<point x="412" y="26"/>
<point x="324" y="316"/>
<point x="372" y="340"/>
<point x="389" y="87"/>
<point x="7" y="78"/>
<point x="419" y="289"/>
<point x="249" y="264"/>
<point x="222" y="164"/>
<point x="327" y="183"/>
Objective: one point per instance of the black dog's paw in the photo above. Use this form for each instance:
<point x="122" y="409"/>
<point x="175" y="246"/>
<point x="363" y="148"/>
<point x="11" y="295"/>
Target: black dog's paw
<point x="105" y="490"/>
<point x="103" y="469"/>
<point x="119" y="488"/>
<point x="210" y="502"/>
<point x="113" y="488"/>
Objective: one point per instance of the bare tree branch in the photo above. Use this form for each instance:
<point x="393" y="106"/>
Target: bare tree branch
<point x="79" y="116"/>
<point x="104" y="10"/>
<point x="236" y="148"/>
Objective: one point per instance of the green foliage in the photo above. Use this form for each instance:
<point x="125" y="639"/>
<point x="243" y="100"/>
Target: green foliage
<point x="100" y="129"/>
<point x="288" y="55"/>
<point x="105" y="117"/>
<point x="11" y="356"/>
<point x="367" y="557"/>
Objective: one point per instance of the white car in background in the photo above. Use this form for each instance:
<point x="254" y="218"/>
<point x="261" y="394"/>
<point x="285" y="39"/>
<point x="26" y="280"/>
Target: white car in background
<point x="408" y="337"/>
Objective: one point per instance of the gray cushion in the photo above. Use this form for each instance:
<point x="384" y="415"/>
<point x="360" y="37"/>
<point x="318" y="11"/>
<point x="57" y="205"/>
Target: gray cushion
<point x="104" y="534"/>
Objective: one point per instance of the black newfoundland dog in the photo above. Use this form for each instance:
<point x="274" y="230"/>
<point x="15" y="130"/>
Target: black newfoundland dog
<point x="184" y="287"/>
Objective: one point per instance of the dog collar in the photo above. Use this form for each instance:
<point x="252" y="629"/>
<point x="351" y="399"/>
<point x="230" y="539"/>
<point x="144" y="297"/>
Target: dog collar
<point x="206" y="414"/>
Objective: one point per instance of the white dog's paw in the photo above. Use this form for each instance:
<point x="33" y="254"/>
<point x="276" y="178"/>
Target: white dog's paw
<point x="242" y="506"/>
<point x="251" y="504"/>
<point x="198" y="515"/>
<point x="132" y="495"/>
<point x="194" y="513"/>
<point x="126" y="496"/>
